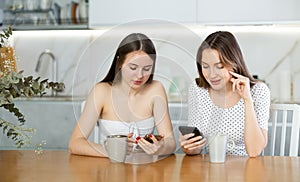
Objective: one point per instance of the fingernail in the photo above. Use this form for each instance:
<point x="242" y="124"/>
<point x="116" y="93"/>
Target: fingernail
<point x="137" y="138"/>
<point x="151" y="135"/>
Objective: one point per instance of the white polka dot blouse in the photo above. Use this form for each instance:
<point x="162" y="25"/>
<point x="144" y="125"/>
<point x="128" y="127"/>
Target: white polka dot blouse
<point x="211" y="119"/>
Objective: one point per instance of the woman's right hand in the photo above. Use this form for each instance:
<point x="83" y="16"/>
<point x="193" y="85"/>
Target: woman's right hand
<point x="191" y="146"/>
<point x="130" y="143"/>
<point x="151" y="148"/>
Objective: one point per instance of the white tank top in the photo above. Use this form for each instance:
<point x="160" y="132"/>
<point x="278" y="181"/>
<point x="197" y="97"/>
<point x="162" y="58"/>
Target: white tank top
<point x="138" y="128"/>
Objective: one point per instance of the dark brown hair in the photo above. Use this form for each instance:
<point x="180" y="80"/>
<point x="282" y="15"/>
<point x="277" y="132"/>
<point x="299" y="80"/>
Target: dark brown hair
<point x="230" y="55"/>
<point x="131" y="43"/>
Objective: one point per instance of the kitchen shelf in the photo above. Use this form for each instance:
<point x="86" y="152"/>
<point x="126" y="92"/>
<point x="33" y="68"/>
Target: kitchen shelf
<point x="27" y="11"/>
<point x="48" y="27"/>
<point x="39" y="20"/>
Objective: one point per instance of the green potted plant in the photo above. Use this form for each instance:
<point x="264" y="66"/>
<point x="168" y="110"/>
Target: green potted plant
<point x="7" y="53"/>
<point x="13" y="85"/>
<point x="5" y="36"/>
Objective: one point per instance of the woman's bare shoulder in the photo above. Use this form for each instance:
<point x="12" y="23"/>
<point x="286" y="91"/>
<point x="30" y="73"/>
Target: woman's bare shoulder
<point x="156" y="85"/>
<point x="156" y="88"/>
<point x="102" y="86"/>
<point x="101" y="89"/>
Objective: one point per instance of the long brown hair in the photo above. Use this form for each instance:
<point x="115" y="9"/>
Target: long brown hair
<point x="132" y="42"/>
<point x="230" y="54"/>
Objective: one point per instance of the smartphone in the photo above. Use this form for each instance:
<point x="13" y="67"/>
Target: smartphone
<point x="147" y="137"/>
<point x="190" y="129"/>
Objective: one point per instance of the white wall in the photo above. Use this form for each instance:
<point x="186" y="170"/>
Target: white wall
<point x="84" y="56"/>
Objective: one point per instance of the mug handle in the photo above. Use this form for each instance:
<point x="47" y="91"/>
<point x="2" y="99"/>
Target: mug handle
<point x="230" y="147"/>
<point x="105" y="145"/>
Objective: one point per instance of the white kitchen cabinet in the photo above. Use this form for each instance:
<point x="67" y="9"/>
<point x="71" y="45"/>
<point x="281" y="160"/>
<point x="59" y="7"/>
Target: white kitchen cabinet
<point x="53" y="119"/>
<point x="114" y="12"/>
<point x="247" y="12"/>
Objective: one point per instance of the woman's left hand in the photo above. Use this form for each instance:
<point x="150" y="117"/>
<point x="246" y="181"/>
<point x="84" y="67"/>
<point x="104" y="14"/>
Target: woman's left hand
<point x="150" y="148"/>
<point x="241" y="84"/>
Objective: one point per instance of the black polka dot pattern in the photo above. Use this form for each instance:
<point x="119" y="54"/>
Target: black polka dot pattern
<point x="211" y="119"/>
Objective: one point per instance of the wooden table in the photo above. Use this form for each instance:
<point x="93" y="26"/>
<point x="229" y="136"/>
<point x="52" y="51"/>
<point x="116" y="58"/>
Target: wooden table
<point x="26" y="165"/>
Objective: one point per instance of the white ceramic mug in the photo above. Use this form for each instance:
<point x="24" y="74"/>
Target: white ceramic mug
<point x="116" y="147"/>
<point x="217" y="144"/>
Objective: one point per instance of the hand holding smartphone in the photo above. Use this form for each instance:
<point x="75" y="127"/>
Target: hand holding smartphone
<point x="148" y="138"/>
<point x="190" y="129"/>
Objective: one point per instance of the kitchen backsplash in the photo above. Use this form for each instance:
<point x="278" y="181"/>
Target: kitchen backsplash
<point x="84" y="56"/>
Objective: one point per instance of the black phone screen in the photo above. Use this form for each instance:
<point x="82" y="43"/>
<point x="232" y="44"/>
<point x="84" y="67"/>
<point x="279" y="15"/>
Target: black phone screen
<point x="190" y="129"/>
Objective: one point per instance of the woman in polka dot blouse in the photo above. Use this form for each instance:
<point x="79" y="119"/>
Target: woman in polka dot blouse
<point x="226" y="99"/>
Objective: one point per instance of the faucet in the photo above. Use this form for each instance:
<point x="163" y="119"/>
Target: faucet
<point x="54" y="67"/>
